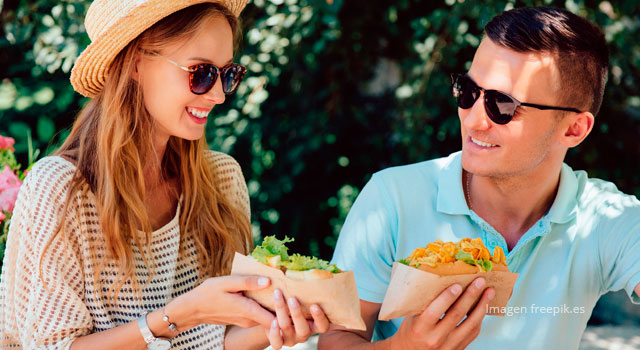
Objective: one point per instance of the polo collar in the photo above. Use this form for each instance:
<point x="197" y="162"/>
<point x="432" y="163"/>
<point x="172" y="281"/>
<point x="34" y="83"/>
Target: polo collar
<point x="450" y="194"/>
<point x="451" y="200"/>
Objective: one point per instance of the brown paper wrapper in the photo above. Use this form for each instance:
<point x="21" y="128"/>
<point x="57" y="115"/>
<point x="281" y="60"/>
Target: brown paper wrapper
<point x="411" y="290"/>
<point x="337" y="296"/>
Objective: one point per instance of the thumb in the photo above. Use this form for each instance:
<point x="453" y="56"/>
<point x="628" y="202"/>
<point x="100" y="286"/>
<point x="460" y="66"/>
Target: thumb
<point x="238" y="283"/>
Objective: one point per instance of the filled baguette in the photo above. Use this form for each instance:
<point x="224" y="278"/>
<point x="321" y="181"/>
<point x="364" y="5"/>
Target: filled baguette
<point x="467" y="256"/>
<point x="274" y="252"/>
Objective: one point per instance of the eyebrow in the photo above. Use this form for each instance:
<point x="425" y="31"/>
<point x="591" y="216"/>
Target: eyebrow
<point x="207" y="60"/>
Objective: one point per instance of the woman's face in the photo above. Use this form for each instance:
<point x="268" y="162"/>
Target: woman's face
<point x="165" y="87"/>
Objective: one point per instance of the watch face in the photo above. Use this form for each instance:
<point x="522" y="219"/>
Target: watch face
<point x="159" y="344"/>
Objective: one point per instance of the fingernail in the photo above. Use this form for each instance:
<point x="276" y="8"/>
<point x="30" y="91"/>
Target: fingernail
<point x="315" y="309"/>
<point x="456" y="289"/>
<point x="277" y="294"/>
<point x="292" y="302"/>
<point x="263" y="281"/>
<point x="491" y="294"/>
<point x="480" y="283"/>
<point x="274" y="324"/>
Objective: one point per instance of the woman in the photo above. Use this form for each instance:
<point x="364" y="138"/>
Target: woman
<point x="123" y="238"/>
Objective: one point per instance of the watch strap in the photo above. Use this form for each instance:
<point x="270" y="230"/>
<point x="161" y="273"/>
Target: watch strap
<point x="144" y="329"/>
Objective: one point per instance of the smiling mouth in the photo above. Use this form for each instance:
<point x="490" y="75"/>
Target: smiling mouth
<point x="482" y="144"/>
<point x="198" y="114"/>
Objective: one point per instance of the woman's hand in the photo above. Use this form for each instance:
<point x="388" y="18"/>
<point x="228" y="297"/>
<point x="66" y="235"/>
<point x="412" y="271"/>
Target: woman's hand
<point x="219" y="300"/>
<point x="290" y="326"/>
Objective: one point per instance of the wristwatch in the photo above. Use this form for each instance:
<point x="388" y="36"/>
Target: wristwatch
<point x="153" y="343"/>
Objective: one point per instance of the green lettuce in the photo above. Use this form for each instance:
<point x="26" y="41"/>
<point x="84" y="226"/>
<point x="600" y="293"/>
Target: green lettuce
<point x="299" y="262"/>
<point x="271" y="246"/>
<point x="485" y="264"/>
<point x="466" y="257"/>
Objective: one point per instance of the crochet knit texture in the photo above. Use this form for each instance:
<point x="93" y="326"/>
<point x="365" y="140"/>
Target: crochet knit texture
<point x="34" y="317"/>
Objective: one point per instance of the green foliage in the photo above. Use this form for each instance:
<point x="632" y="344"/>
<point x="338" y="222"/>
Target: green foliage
<point x="336" y="90"/>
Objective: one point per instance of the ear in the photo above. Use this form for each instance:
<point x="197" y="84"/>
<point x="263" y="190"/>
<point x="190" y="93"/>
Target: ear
<point x="576" y="128"/>
<point x="136" y="64"/>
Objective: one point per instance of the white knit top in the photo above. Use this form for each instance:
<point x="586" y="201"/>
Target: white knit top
<point x="32" y="317"/>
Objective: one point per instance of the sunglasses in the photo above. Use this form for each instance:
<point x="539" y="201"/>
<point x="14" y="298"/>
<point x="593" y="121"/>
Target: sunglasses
<point x="500" y="107"/>
<point x="203" y="76"/>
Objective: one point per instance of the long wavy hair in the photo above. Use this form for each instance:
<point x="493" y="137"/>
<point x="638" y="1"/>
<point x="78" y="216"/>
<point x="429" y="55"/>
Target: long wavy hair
<point x="110" y="144"/>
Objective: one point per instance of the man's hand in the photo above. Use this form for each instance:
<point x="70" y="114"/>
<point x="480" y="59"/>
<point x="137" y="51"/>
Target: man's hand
<point x="637" y="289"/>
<point x="430" y="330"/>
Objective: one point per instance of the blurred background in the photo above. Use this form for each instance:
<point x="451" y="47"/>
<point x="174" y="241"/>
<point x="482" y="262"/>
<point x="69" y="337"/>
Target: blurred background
<point x="336" y="91"/>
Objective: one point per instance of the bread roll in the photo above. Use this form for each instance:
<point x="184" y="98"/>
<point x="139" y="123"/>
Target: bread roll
<point x="309" y="275"/>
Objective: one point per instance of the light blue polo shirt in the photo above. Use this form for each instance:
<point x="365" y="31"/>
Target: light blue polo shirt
<point x="586" y="245"/>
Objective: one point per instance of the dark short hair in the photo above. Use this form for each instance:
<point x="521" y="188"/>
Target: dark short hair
<point x="578" y="46"/>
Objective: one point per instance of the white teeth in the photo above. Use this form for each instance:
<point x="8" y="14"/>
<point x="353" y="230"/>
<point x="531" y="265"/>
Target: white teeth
<point x="198" y="113"/>
<point x="483" y="144"/>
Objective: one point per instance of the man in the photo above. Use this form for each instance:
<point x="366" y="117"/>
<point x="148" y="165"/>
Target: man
<point x="569" y="237"/>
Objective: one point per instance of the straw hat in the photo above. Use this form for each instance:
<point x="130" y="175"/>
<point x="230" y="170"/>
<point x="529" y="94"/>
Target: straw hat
<point x="112" y="24"/>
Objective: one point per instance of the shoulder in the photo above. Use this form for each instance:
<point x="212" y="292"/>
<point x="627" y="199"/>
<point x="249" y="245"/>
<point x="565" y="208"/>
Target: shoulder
<point x="222" y="164"/>
<point x="230" y="179"/>
<point x="602" y="199"/>
<point x="421" y="177"/>
<point x="50" y="175"/>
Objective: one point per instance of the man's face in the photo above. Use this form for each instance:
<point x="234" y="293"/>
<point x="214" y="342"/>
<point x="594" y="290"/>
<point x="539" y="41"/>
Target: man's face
<point x="529" y="142"/>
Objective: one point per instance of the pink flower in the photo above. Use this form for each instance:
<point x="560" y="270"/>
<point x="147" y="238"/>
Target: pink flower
<point x="2" y="217"/>
<point x="7" y="143"/>
<point x="9" y="187"/>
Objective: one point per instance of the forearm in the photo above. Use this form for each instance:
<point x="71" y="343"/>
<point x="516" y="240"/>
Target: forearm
<point x="128" y="336"/>
<point x="340" y="339"/>
<point x="245" y="338"/>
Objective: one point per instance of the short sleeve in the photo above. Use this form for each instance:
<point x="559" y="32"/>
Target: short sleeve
<point x="366" y="243"/>
<point x="620" y="246"/>
<point x="232" y="183"/>
<point x="32" y="315"/>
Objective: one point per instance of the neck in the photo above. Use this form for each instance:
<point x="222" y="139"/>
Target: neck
<point x="512" y="205"/>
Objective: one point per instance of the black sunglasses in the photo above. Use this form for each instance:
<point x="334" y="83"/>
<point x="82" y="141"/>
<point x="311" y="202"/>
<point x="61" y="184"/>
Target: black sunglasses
<point x="202" y="77"/>
<point x="500" y="107"/>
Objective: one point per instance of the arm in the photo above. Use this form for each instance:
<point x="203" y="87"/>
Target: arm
<point x="188" y="311"/>
<point x="428" y="330"/>
<point x="245" y="338"/>
<point x="637" y="290"/>
<point x="126" y="336"/>
<point x="342" y="338"/>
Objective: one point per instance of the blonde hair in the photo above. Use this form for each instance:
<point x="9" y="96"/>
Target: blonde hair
<point x="110" y="143"/>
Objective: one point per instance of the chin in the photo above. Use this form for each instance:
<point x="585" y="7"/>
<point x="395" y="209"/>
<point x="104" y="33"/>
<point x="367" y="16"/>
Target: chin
<point x="480" y="167"/>
<point x="191" y="136"/>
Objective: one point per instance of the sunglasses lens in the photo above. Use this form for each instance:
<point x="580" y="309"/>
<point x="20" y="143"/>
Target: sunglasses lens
<point x="500" y="107"/>
<point x="231" y="77"/>
<point x="203" y="78"/>
<point x="465" y="91"/>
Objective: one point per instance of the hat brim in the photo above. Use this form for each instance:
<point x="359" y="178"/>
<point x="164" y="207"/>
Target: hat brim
<point x="92" y="66"/>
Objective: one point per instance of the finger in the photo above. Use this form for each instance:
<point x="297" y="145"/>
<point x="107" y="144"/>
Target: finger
<point x="462" y="306"/>
<point x="299" y="321"/>
<point x="479" y="312"/>
<point x="469" y="329"/>
<point x="431" y="315"/>
<point x="249" y="309"/>
<point x="282" y="314"/>
<point x="241" y="283"/>
<point x="320" y="321"/>
<point x="273" y="334"/>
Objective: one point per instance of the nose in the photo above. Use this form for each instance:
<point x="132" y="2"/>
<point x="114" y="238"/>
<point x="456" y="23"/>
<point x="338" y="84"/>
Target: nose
<point x="476" y="117"/>
<point x="216" y="95"/>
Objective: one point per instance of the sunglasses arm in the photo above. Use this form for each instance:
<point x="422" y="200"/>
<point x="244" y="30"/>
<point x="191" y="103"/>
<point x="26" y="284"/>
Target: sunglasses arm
<point x="187" y="69"/>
